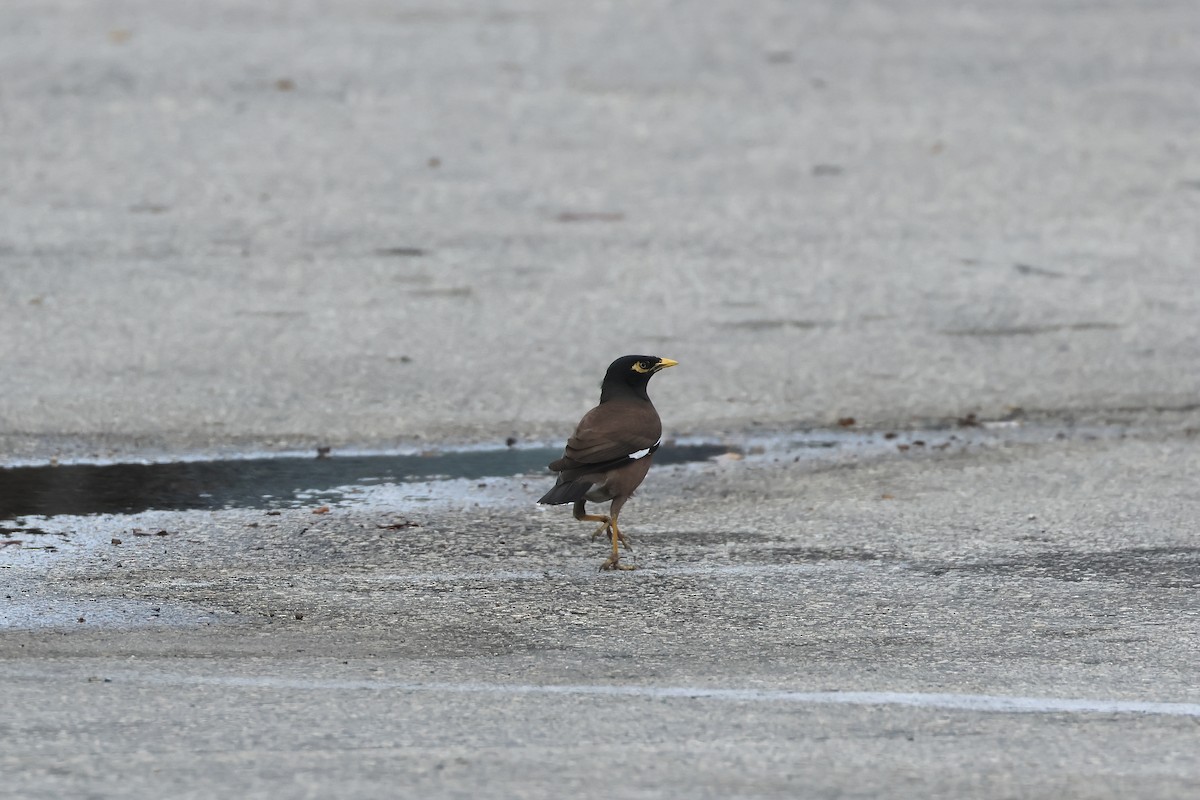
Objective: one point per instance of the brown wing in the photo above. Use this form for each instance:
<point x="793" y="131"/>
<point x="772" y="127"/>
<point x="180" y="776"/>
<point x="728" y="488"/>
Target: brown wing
<point x="608" y="433"/>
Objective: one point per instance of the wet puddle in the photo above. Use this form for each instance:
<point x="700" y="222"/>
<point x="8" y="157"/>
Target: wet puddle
<point x="274" y="482"/>
<point x="39" y="492"/>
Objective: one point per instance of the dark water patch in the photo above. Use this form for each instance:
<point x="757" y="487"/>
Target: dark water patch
<point x="272" y="312"/>
<point x="1032" y="330"/>
<point x="280" y="482"/>
<point x="1030" y="269"/>
<point x="401" y="252"/>
<point x="775" y="324"/>
<point x="590" y="216"/>
<point x="446" y="291"/>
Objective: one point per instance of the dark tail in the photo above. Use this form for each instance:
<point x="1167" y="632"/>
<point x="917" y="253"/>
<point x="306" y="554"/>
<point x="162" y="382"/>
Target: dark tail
<point x="569" y="492"/>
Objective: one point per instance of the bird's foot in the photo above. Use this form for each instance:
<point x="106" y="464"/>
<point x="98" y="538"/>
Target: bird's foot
<point x="603" y="530"/>
<point x="614" y="563"/>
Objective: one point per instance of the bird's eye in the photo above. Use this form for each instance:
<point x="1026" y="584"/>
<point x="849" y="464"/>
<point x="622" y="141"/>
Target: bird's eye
<point x="642" y="366"/>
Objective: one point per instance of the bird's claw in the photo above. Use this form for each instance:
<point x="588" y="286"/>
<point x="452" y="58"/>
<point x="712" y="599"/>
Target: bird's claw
<point x="613" y="563"/>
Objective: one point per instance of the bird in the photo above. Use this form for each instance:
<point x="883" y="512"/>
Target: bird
<point x="610" y="452"/>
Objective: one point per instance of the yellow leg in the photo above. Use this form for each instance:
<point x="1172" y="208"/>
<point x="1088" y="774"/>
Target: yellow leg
<point x="618" y="538"/>
<point x="582" y="515"/>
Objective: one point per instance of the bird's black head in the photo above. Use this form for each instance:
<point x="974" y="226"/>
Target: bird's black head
<point x="632" y="372"/>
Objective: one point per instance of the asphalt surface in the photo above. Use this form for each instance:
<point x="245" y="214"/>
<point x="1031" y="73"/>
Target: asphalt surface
<point x="983" y="620"/>
<point x="230" y="229"/>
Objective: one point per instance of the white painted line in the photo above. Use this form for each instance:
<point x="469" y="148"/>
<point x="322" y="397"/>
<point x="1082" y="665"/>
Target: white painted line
<point x="986" y="703"/>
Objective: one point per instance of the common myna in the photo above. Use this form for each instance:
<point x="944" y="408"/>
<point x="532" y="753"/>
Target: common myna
<point x="609" y="454"/>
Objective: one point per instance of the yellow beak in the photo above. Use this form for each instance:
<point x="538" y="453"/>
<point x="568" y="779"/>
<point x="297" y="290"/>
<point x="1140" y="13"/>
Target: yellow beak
<point x="663" y="363"/>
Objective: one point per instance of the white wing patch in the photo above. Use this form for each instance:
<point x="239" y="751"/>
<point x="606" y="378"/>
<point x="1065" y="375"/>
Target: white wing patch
<point x="634" y="456"/>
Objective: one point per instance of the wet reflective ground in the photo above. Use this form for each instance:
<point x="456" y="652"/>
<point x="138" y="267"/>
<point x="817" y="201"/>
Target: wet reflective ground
<point x="277" y="482"/>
